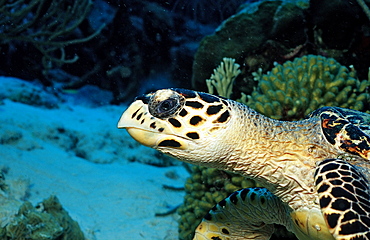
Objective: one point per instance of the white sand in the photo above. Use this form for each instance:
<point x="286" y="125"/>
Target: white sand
<point x="112" y="199"/>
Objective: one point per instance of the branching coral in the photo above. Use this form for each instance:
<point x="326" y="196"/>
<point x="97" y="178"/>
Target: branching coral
<point x="294" y="89"/>
<point x="47" y="25"/>
<point x="223" y="78"/>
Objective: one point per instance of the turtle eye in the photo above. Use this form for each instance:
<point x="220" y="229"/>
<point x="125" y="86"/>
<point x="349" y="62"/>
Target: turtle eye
<point x="165" y="108"/>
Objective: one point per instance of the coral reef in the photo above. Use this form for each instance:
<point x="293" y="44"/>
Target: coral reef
<point x="204" y="188"/>
<point x="277" y="31"/>
<point x="27" y="22"/>
<point x="296" y="88"/>
<point x="248" y="34"/>
<point x="20" y="220"/>
<point x="48" y="220"/>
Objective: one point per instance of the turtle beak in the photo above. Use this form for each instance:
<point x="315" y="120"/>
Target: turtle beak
<point x="137" y="130"/>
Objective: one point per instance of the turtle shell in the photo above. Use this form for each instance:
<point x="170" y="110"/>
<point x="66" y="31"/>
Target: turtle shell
<point x="346" y="129"/>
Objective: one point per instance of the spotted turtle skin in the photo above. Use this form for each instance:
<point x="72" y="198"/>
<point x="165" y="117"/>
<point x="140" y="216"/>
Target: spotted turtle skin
<point x="314" y="172"/>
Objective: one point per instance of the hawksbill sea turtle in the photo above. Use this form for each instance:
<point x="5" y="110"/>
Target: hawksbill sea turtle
<point x="314" y="172"/>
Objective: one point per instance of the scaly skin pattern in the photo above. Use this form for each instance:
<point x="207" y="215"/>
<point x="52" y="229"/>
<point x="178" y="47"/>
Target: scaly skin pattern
<point x="211" y="131"/>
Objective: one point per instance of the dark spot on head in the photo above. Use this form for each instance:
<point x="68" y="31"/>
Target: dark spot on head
<point x="174" y="122"/>
<point x="194" y="104"/>
<point x="185" y="92"/>
<point x="161" y="129"/>
<point x="224" y="116"/>
<point x="183" y="113"/>
<point x="152" y="125"/>
<point x="169" y="143"/>
<point x="134" y="114"/>
<point x="142" y="121"/>
<point x="211" y="110"/>
<point x="193" y="135"/>
<point x="139" y="116"/>
<point x="215" y="238"/>
<point x="208" y="97"/>
<point x="263" y="200"/>
<point x="195" y="120"/>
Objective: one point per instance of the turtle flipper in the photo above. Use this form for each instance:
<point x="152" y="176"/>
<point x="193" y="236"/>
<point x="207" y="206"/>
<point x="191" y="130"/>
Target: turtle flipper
<point x="246" y="214"/>
<point x="344" y="199"/>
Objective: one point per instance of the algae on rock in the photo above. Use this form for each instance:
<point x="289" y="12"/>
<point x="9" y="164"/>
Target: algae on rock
<point x="46" y="221"/>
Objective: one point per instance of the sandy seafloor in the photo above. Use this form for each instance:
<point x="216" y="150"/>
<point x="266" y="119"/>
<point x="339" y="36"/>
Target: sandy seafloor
<point x="97" y="171"/>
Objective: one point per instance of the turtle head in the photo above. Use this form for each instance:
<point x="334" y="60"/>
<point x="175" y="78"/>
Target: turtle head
<point x="179" y="122"/>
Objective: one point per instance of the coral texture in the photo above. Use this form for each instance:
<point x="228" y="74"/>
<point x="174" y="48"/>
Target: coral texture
<point x="204" y="188"/>
<point x="48" y="220"/>
<point x="223" y="78"/>
<point x="20" y="220"/>
<point x="296" y="88"/>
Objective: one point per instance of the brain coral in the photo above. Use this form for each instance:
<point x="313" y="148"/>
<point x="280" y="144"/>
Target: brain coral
<point x="294" y="89"/>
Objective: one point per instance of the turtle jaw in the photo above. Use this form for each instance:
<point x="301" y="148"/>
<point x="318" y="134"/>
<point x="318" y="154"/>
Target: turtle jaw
<point x="139" y="124"/>
<point x="157" y="141"/>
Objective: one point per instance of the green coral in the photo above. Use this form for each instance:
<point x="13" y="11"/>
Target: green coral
<point x="204" y="188"/>
<point x="223" y="78"/>
<point x="46" y="221"/>
<point x="294" y="89"/>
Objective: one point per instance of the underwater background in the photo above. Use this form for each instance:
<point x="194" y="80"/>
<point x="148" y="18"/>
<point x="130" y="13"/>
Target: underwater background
<point x="68" y="69"/>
